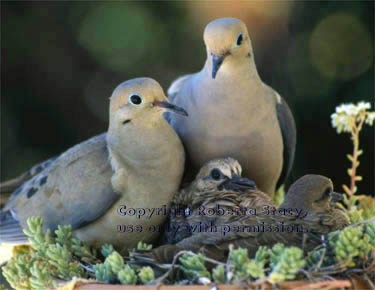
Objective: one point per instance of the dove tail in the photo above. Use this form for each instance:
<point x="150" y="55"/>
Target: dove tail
<point x="7" y="187"/>
<point x="10" y="230"/>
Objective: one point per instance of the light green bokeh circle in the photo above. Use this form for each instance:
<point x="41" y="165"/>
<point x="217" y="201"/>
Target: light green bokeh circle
<point x="341" y="47"/>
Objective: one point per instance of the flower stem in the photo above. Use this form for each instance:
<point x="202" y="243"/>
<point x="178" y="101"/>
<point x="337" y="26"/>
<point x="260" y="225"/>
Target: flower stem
<point x="355" y="137"/>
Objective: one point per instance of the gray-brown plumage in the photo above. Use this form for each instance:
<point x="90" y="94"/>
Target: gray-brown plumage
<point x="138" y="163"/>
<point x="217" y="191"/>
<point x="232" y="112"/>
<point x="311" y="197"/>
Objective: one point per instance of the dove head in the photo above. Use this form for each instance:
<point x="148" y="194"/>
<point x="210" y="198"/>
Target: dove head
<point x="221" y="174"/>
<point x="311" y="193"/>
<point x="140" y="102"/>
<point x="228" y="44"/>
<point x="136" y="116"/>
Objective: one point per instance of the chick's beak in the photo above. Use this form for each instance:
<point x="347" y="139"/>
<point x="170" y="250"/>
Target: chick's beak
<point x="216" y="63"/>
<point x="238" y="183"/>
<point x="170" y="107"/>
<point x="336" y="196"/>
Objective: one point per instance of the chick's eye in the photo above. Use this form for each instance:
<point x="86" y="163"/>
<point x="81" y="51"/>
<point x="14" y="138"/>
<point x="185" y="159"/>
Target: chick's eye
<point x="239" y="39"/>
<point x="327" y="192"/>
<point x="215" y="174"/>
<point x="135" y="99"/>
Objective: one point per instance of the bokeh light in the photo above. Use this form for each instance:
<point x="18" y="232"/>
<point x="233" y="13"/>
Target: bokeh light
<point x="341" y="47"/>
<point x="61" y="61"/>
<point x="305" y="78"/>
<point x="120" y="35"/>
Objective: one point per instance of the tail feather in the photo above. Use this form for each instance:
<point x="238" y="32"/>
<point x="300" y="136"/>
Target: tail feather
<point x="10" y="230"/>
<point x="9" y="186"/>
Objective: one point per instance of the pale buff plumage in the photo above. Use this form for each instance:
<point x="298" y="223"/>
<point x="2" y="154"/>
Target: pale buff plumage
<point x="138" y="163"/>
<point x="235" y="113"/>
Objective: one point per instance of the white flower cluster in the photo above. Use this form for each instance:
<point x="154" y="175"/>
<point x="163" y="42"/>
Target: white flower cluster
<point x="347" y="114"/>
<point x="370" y="118"/>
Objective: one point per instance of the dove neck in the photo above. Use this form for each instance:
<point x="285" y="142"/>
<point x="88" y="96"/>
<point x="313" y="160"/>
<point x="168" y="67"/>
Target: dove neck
<point x="143" y="149"/>
<point x="149" y="164"/>
<point x="235" y="67"/>
<point x="184" y="197"/>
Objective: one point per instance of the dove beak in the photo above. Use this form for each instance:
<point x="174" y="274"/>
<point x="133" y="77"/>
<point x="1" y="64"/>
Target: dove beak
<point x="336" y="196"/>
<point x="216" y="63"/>
<point x="171" y="108"/>
<point x="238" y="183"/>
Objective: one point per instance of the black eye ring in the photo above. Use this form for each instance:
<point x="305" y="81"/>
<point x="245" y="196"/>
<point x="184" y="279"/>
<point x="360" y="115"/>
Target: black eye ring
<point x="239" y="39"/>
<point x="215" y="174"/>
<point x="135" y="99"/>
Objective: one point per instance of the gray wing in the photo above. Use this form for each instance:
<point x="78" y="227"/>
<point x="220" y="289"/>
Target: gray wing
<point x="75" y="189"/>
<point x="9" y="186"/>
<point x="289" y="135"/>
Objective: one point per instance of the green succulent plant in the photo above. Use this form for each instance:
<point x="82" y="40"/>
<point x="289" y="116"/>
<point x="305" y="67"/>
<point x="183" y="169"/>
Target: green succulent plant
<point x="218" y="274"/>
<point x="146" y="274"/>
<point x="48" y="259"/>
<point x="127" y="276"/>
<point x="353" y="244"/>
<point x="63" y="257"/>
<point x="286" y="264"/>
<point x="193" y="266"/>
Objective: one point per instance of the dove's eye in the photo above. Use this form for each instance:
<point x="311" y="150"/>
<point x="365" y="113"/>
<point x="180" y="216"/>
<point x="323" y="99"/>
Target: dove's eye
<point x="215" y="174"/>
<point x="239" y="39"/>
<point x="135" y="99"/>
<point x="327" y="192"/>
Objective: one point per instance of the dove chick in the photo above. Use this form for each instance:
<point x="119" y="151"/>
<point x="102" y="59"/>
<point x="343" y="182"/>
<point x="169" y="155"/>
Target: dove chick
<point x="217" y="189"/>
<point x="311" y="194"/>
<point x="314" y="194"/>
<point x="137" y="164"/>
<point x="232" y="112"/>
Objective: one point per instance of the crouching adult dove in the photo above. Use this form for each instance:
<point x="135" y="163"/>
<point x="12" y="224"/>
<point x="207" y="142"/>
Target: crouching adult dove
<point x="137" y="164"/>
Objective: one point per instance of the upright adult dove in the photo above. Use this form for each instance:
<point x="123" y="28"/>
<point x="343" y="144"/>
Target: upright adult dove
<point x="232" y="112"/>
<point x="307" y="209"/>
<point x="96" y="185"/>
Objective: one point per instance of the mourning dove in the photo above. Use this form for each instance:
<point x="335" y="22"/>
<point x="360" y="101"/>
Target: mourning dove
<point x="217" y="188"/>
<point x="232" y="112"/>
<point x="96" y="185"/>
<point x="307" y="209"/>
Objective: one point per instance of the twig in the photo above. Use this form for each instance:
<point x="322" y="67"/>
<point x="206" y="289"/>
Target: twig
<point x="87" y="268"/>
<point x="368" y="280"/>
<point x="166" y="274"/>
<point x="325" y="285"/>
<point x="307" y="274"/>
<point x="260" y="282"/>
<point x="321" y="258"/>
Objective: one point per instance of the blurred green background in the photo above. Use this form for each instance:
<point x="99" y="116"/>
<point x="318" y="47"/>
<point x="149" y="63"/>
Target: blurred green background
<point x="60" y="62"/>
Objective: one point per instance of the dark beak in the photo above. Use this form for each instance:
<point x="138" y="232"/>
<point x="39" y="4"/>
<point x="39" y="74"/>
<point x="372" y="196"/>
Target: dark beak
<point x="172" y="108"/>
<point x="216" y="63"/>
<point x="336" y="196"/>
<point x="238" y="183"/>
